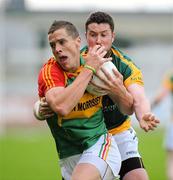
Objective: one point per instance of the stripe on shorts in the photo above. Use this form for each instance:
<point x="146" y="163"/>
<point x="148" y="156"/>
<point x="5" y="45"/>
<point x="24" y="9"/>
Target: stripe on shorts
<point x="105" y="146"/>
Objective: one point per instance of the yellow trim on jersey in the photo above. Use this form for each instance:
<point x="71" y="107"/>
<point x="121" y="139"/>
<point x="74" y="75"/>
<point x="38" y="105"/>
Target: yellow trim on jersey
<point x="88" y="105"/>
<point x="126" y="125"/>
<point x="66" y="78"/>
<point x="136" y="76"/>
<point x="167" y="83"/>
<point x="47" y="75"/>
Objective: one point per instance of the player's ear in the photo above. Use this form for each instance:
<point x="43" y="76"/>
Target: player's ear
<point x="78" y="41"/>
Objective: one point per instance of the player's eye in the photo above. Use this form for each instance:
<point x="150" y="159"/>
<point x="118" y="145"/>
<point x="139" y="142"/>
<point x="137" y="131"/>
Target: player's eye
<point x="52" y="45"/>
<point x="93" y="35"/>
<point x="103" y="35"/>
<point x="61" y="42"/>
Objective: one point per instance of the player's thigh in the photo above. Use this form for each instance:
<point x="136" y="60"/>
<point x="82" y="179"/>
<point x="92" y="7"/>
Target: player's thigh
<point x="104" y="156"/>
<point x="67" y="166"/>
<point x="100" y="168"/>
<point x="105" y="150"/>
<point x="132" y="166"/>
<point x="136" y="174"/>
<point x="85" y="171"/>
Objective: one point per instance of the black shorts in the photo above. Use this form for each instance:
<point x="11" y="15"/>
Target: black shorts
<point x="129" y="165"/>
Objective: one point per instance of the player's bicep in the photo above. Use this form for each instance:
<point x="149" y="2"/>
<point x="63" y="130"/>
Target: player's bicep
<point x="137" y="91"/>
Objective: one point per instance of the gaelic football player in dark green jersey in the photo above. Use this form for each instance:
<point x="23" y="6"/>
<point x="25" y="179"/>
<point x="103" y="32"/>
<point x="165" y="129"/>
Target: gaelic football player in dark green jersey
<point x="100" y="31"/>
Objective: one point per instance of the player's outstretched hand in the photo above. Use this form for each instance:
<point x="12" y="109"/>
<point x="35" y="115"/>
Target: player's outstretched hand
<point x="149" y="122"/>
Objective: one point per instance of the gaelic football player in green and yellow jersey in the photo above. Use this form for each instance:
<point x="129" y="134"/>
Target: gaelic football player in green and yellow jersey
<point x="86" y="150"/>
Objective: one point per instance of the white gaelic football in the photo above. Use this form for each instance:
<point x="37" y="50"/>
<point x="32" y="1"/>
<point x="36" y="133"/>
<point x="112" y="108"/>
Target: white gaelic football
<point x="36" y="111"/>
<point x="108" y="66"/>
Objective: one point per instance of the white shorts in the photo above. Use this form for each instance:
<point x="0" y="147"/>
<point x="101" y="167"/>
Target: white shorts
<point x="104" y="155"/>
<point x="169" y="137"/>
<point x="127" y="143"/>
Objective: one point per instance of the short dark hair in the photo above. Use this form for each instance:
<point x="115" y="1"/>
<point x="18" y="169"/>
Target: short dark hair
<point x="100" y="17"/>
<point x="70" y="28"/>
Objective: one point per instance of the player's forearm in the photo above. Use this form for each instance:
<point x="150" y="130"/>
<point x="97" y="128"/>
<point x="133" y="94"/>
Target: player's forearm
<point x="141" y="103"/>
<point x="62" y="102"/>
<point x="126" y="104"/>
<point x="124" y="100"/>
<point x="141" y="106"/>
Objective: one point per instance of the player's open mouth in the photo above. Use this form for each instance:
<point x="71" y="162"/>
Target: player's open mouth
<point x="63" y="59"/>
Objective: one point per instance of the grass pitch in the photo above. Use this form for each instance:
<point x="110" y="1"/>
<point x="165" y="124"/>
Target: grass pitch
<point x="153" y="153"/>
<point x="30" y="154"/>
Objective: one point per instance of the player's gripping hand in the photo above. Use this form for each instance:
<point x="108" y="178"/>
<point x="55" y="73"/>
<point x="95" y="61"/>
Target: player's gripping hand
<point x="42" y="110"/>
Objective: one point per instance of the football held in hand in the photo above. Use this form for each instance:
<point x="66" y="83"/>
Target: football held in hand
<point x="96" y="81"/>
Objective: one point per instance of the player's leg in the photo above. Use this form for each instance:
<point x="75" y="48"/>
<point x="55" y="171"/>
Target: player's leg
<point x="133" y="169"/>
<point x="169" y="150"/>
<point x="170" y="164"/>
<point x="67" y="165"/>
<point x="132" y="166"/>
<point x="101" y="161"/>
<point x="86" y="171"/>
